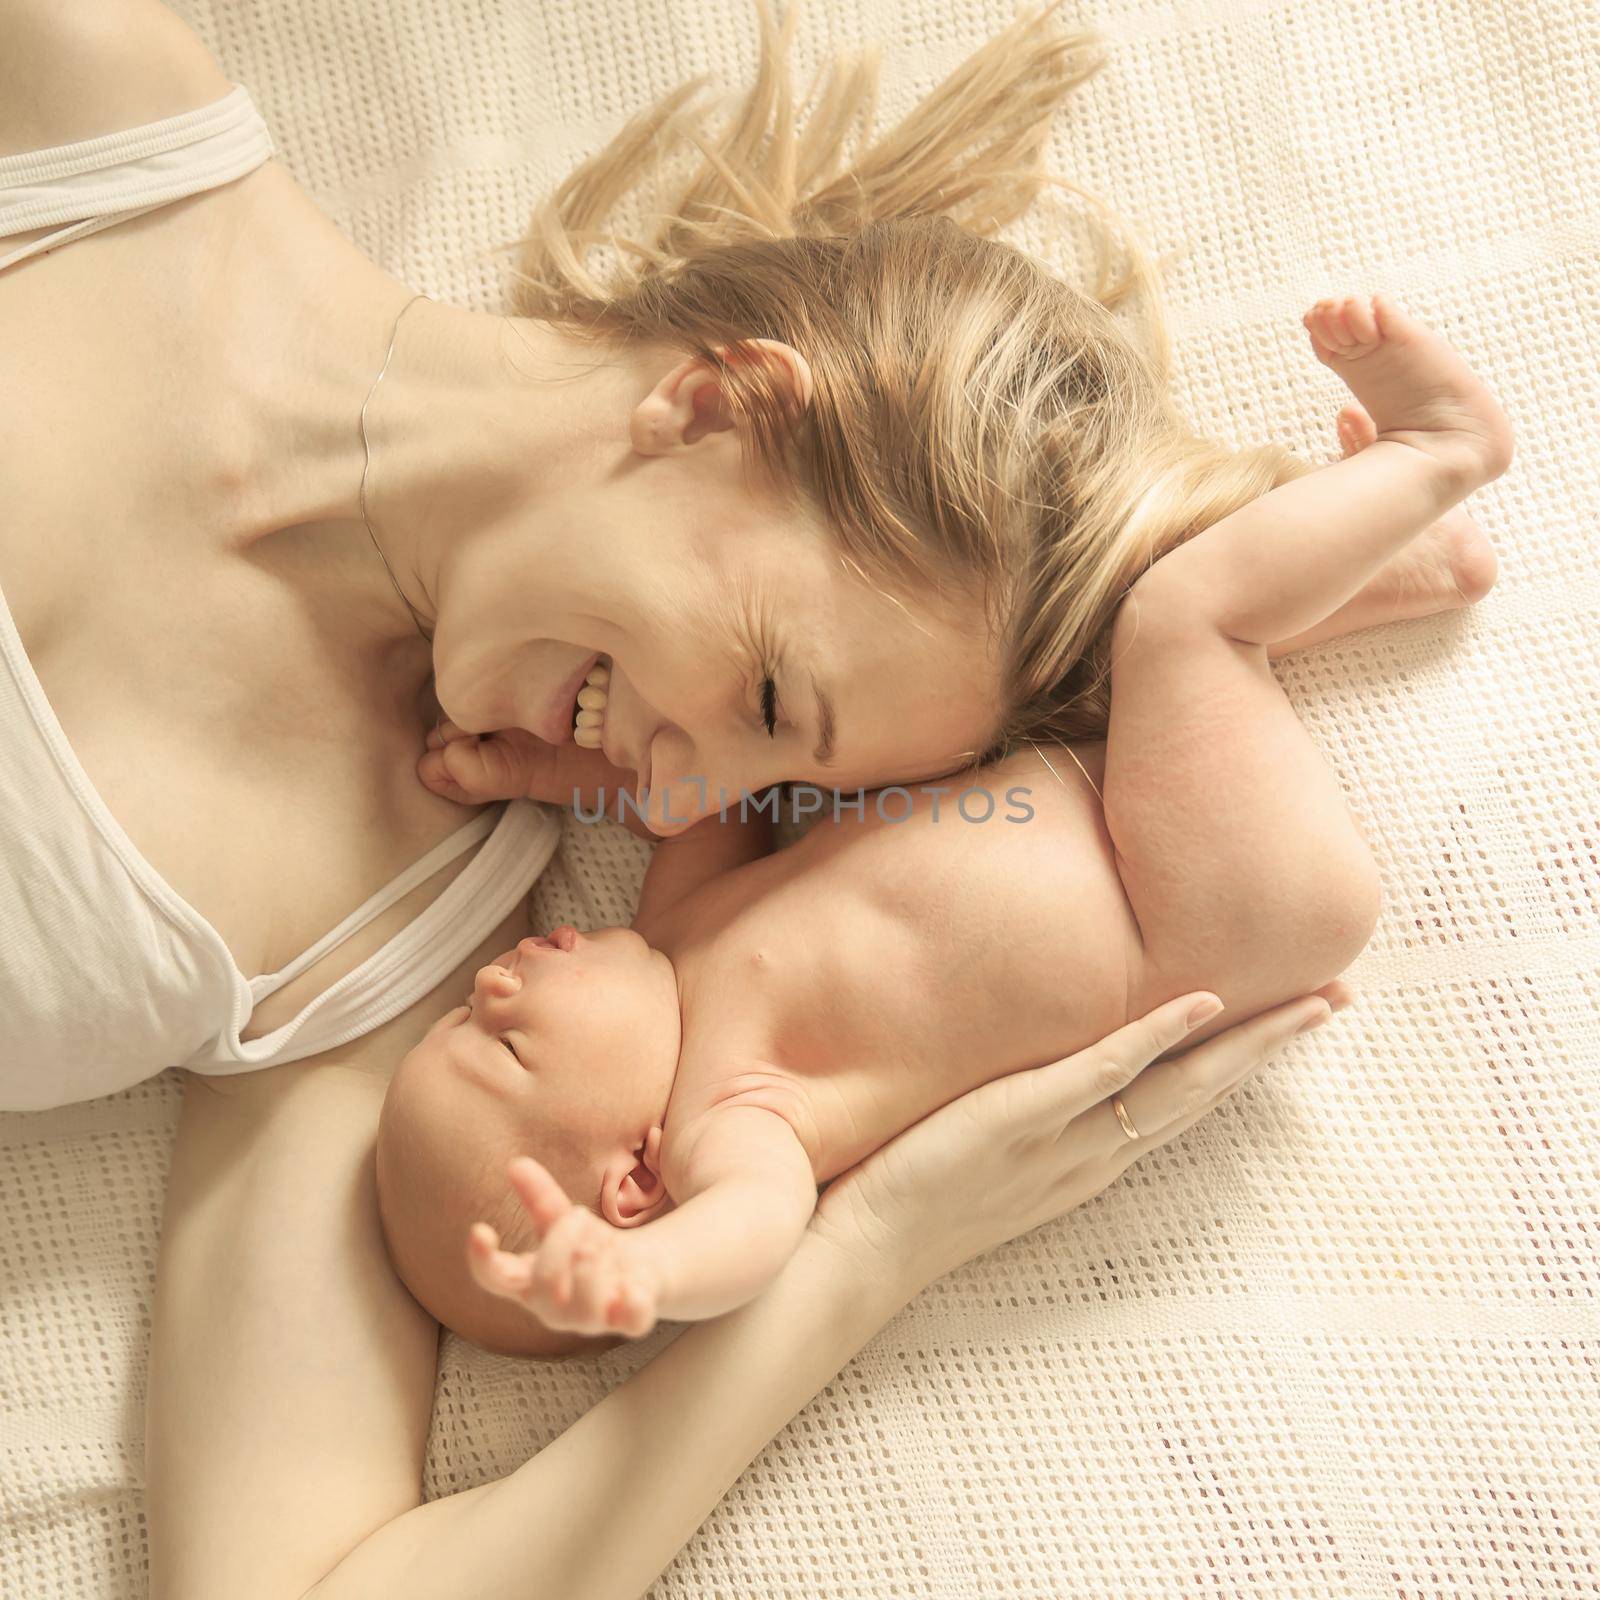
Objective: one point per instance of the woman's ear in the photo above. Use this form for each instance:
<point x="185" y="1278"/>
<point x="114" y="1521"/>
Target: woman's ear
<point x="688" y="403"/>
<point x="631" y="1190"/>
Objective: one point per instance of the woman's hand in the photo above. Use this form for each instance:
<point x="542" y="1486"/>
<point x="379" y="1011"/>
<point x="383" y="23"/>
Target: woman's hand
<point x="473" y="769"/>
<point x="1030" y="1146"/>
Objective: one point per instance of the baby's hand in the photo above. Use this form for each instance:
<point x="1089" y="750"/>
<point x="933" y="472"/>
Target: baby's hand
<point x="512" y="765"/>
<point x="584" y="1276"/>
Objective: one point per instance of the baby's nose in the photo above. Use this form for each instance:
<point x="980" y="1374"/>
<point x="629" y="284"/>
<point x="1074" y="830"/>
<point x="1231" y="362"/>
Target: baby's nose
<point x="495" y="983"/>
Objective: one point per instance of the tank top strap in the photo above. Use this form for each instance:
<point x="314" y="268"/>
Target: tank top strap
<point x="518" y="848"/>
<point x="446" y="851"/>
<point x="93" y="183"/>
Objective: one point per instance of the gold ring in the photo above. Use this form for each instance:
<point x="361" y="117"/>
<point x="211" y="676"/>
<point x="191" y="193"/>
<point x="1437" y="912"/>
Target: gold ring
<point x="1123" y="1117"/>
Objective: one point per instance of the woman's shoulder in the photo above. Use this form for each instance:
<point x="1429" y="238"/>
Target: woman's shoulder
<point x="77" y="69"/>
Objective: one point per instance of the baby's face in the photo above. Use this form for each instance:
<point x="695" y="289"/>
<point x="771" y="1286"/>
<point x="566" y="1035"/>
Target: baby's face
<point x="577" y="1032"/>
<point x="573" y="1009"/>
<point x="565" y="1050"/>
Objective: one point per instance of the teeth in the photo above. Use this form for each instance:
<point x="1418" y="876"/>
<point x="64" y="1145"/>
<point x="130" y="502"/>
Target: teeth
<point x="590" y="717"/>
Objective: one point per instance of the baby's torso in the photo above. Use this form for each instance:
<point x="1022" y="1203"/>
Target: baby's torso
<point x="880" y="968"/>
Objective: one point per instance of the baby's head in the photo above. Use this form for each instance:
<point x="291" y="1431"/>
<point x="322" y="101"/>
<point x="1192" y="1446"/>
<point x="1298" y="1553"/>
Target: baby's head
<point x="566" y="1050"/>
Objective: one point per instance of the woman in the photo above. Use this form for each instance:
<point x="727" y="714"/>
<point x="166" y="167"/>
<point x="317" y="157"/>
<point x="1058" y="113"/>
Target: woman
<point x="221" y="657"/>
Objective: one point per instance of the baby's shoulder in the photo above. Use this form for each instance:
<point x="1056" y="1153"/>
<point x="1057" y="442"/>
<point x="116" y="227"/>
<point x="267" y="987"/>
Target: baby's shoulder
<point x="706" y="1093"/>
<point x="1029" y="824"/>
<point x="1018" y="848"/>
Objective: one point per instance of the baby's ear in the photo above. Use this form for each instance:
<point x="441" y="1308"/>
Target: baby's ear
<point x="631" y="1190"/>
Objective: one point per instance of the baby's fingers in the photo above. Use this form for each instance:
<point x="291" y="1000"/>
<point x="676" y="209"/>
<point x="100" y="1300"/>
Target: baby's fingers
<point x="568" y="1244"/>
<point x="444" y="732"/>
<point x="494" y="1269"/>
<point x="592" y="1285"/>
<point x="434" y="775"/>
<point x="632" y="1311"/>
<point x="497" y="767"/>
<point x="542" y="1197"/>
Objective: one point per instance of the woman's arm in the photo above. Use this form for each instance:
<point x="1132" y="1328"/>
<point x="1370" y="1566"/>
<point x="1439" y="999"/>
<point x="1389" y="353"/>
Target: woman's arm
<point x="292" y="1377"/>
<point x="75" y="69"/>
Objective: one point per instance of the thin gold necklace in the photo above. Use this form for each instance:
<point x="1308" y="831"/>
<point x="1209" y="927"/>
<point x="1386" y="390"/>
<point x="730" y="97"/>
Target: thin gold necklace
<point x="366" y="467"/>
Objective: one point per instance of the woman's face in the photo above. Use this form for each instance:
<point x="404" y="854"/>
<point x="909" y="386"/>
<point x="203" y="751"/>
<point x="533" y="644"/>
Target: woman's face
<point x="743" y="650"/>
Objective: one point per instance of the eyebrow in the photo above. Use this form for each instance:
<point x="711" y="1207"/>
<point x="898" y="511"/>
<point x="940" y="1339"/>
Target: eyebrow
<point x="825" y="716"/>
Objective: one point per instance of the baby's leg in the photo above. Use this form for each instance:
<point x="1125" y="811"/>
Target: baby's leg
<point x="1241" y="861"/>
<point x="1450" y="564"/>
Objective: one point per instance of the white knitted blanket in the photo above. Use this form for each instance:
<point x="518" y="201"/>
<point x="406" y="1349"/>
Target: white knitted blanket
<point x="1341" y="1340"/>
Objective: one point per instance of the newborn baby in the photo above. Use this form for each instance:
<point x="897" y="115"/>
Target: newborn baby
<point x="771" y="1019"/>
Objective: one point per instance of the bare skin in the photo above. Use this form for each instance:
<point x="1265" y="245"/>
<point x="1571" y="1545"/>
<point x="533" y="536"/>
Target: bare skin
<point x="1450" y="564"/>
<point x="803" y="977"/>
<point x="178" y="394"/>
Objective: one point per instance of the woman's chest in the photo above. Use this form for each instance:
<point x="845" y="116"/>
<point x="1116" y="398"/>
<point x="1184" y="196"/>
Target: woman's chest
<point x="259" y="765"/>
<point x="215" y="697"/>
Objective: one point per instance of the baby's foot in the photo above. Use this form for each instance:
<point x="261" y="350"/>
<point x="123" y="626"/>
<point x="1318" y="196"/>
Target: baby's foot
<point x="1418" y="391"/>
<point x="1448" y="565"/>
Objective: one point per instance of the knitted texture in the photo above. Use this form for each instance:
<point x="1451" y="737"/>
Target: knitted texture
<point x="1338" y="1342"/>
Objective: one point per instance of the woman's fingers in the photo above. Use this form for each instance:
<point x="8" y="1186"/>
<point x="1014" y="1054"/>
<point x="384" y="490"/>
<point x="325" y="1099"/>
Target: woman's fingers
<point x="1065" y="1089"/>
<point x="1171" y="1095"/>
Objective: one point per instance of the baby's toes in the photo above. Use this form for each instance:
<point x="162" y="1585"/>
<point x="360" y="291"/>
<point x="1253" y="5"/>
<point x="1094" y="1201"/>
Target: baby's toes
<point x="1336" y="326"/>
<point x="1327" y="338"/>
<point x="1355" y="428"/>
<point x="1360" y="322"/>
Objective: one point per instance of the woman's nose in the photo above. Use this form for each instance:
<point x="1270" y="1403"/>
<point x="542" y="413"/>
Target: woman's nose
<point x="676" y="807"/>
<point x="681" y="795"/>
<point x="673" y="790"/>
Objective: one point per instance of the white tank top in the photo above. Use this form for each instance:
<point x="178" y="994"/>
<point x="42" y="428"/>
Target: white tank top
<point x="107" y="976"/>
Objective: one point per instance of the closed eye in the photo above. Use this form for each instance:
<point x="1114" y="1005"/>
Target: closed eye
<point x="769" y="707"/>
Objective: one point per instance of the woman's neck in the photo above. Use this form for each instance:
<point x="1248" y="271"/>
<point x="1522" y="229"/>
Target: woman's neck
<point x="468" y="431"/>
<point x="474" y="414"/>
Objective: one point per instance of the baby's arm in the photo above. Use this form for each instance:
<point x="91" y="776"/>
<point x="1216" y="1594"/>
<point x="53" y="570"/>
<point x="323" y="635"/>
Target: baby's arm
<point x="1233" y="839"/>
<point x="745" y="1191"/>
<point x="748" y="1194"/>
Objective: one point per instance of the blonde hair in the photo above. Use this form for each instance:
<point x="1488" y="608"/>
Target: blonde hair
<point x="977" y="421"/>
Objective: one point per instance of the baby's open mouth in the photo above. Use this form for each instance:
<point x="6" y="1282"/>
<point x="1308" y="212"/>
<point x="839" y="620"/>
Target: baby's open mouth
<point x="589" y="711"/>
